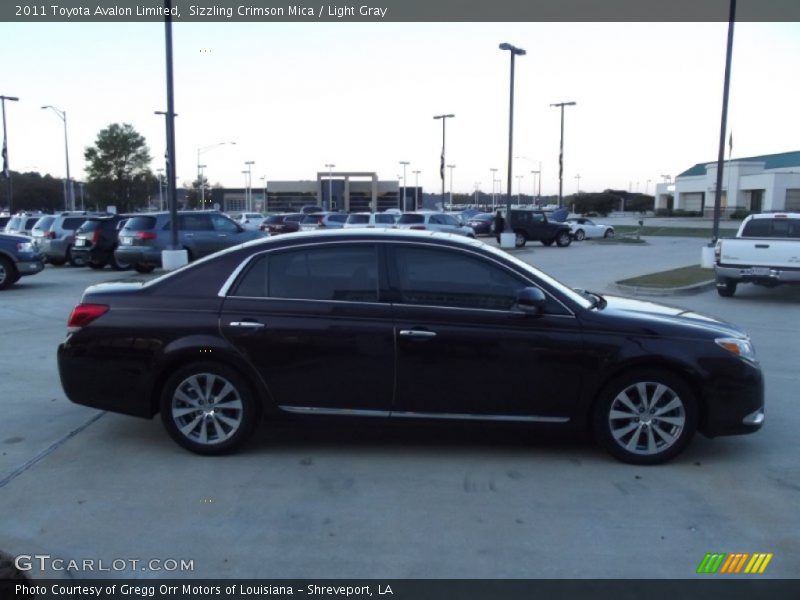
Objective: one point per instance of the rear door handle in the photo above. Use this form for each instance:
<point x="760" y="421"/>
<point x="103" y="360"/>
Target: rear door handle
<point x="247" y="324"/>
<point x="417" y="333"/>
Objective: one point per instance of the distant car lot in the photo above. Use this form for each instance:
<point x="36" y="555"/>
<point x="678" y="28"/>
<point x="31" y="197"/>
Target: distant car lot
<point x="336" y="502"/>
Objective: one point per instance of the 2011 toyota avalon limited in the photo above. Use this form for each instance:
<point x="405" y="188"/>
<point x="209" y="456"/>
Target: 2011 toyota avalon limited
<point x="371" y="322"/>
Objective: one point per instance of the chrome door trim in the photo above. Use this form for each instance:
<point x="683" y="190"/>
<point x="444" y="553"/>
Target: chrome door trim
<point x="313" y="410"/>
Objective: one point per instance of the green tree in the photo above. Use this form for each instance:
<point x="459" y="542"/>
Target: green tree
<point x="193" y="194"/>
<point x="118" y="168"/>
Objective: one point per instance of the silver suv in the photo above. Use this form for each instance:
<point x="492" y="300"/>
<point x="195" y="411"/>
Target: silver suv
<point x="200" y="233"/>
<point x="22" y="224"/>
<point x="434" y="221"/>
<point x="54" y="236"/>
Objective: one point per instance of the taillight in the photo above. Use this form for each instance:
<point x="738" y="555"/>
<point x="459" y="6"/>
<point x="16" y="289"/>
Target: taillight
<point x="96" y="236"/>
<point x="321" y="222"/>
<point x="418" y="227"/>
<point x="51" y="235"/>
<point x="717" y="251"/>
<point x="145" y="235"/>
<point x="83" y="314"/>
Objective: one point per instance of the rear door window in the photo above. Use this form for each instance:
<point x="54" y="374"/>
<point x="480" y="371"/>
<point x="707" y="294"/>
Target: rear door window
<point x="73" y="222"/>
<point x="224" y="224"/>
<point x="194" y="223"/>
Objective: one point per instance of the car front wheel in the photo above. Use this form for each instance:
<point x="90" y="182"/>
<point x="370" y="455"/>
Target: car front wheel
<point x="520" y="239"/>
<point x="645" y="417"/>
<point x="563" y="240"/>
<point x="208" y="408"/>
<point x="609" y="233"/>
<point x="8" y="273"/>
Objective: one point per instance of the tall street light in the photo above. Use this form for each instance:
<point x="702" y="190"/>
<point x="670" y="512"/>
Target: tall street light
<point x="494" y="180"/>
<point x="330" y="185"/>
<point x="6" y="169"/>
<point x="533" y="183"/>
<point x="441" y="164"/>
<point x="203" y="150"/>
<point x="168" y="168"/>
<point x="264" y="179"/>
<point x="508" y="234"/>
<point x="69" y="196"/>
<point x="519" y="188"/>
<point x="249" y="188"/>
<point x="451" y="167"/>
<point x="561" y="152"/>
<point x="416" y="189"/>
<point x="160" y="189"/>
<point x="578" y="179"/>
<point x="405" y="163"/>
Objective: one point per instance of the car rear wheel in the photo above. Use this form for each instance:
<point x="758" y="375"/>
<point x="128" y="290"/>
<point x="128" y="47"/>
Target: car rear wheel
<point x="563" y="240"/>
<point x="119" y="265"/>
<point x="645" y="417"/>
<point x="726" y="287"/>
<point x="8" y="273"/>
<point x="609" y="233"/>
<point x="143" y="268"/>
<point x="580" y="235"/>
<point x="208" y="408"/>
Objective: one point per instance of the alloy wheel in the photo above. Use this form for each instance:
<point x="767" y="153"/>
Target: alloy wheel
<point x="206" y="408"/>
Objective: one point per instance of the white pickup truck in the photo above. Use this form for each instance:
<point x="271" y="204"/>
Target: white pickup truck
<point x="765" y="251"/>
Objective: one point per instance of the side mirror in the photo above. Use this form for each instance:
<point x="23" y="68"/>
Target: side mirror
<point x="531" y="301"/>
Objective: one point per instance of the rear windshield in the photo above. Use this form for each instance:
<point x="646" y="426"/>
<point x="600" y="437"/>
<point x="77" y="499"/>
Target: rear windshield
<point x="406" y="219"/>
<point x="294" y="218"/>
<point x="44" y="223"/>
<point x="309" y="219"/>
<point x="274" y="219"/>
<point x="31" y="221"/>
<point x="779" y="227"/>
<point x="140" y="223"/>
<point x="358" y="219"/>
<point x="384" y="219"/>
<point x="337" y="218"/>
<point x="73" y="222"/>
<point x="89" y="226"/>
<point x="14" y="223"/>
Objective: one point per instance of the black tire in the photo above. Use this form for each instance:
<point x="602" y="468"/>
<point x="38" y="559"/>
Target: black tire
<point x="548" y="242"/>
<point x="580" y="235"/>
<point x="645" y="437"/>
<point x="8" y="273"/>
<point x="520" y="239"/>
<point x="609" y="233"/>
<point x="143" y="268"/>
<point x="75" y="261"/>
<point x="57" y="262"/>
<point x="726" y="287"/>
<point x="563" y="239"/>
<point x="96" y="265"/>
<point x="208" y="424"/>
<point x="119" y="265"/>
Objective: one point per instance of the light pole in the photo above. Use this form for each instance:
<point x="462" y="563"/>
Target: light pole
<point x="248" y="190"/>
<point x="69" y="196"/>
<point x="647" y="187"/>
<point x="477" y="187"/>
<point x="451" y="167"/>
<point x="507" y="237"/>
<point x="494" y="180"/>
<point x="519" y="189"/>
<point x="578" y="179"/>
<point x="405" y="163"/>
<point x="561" y="152"/>
<point x="6" y="169"/>
<point x="416" y="189"/>
<point x="203" y="150"/>
<point x="330" y="186"/>
<point x="246" y="197"/>
<point x="667" y="178"/>
<point x="160" y="189"/>
<point x="533" y="183"/>
<point x="264" y="179"/>
<point x="441" y="164"/>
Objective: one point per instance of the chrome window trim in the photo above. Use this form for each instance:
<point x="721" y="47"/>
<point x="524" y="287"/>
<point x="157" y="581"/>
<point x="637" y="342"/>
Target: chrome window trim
<point x="354" y="412"/>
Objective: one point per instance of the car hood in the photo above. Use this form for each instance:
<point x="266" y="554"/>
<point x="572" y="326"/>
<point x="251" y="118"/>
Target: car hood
<point x="658" y="318"/>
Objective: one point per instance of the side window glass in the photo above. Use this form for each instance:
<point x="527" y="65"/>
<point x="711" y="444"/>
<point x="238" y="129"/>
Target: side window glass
<point x="253" y="282"/>
<point x="434" y="277"/>
<point x="224" y="225"/>
<point x="344" y="273"/>
<point x="194" y="223"/>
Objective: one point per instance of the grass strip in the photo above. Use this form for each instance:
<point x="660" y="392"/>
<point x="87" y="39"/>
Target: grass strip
<point x="700" y="232"/>
<point x="673" y="278"/>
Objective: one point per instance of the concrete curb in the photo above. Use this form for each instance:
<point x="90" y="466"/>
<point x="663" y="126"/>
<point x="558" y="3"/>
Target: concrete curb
<point x="686" y="290"/>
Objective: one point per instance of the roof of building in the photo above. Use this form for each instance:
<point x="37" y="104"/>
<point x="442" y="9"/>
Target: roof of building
<point x="772" y="161"/>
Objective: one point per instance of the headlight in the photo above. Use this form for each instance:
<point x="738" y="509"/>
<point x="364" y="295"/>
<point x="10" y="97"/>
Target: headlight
<point x="25" y="247"/>
<point x="740" y="347"/>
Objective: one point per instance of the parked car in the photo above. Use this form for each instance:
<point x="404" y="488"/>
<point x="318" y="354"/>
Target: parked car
<point x="433" y="221"/>
<point x="18" y="258"/>
<point x="250" y="221"/>
<point x="482" y="223"/>
<point x="200" y="233"/>
<point x="533" y="225"/>
<point x="371" y="322"/>
<point x="97" y="239"/>
<point x="54" y="236"/>
<point x="283" y="223"/>
<point x="22" y="224"/>
<point x="4" y="219"/>
<point x="765" y="251"/>
<point x="582" y="228"/>
<point x="365" y="219"/>
<point x="322" y="220"/>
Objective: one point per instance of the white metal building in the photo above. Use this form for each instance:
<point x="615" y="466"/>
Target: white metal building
<point x="753" y="184"/>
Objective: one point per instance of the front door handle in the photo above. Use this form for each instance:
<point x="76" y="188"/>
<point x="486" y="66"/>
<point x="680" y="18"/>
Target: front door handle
<point x="417" y="333"/>
<point x="247" y="324"/>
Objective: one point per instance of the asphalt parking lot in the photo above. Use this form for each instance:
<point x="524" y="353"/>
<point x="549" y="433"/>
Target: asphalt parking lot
<point x="377" y="500"/>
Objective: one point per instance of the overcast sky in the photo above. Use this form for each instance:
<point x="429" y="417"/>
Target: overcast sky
<point x="295" y="96"/>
